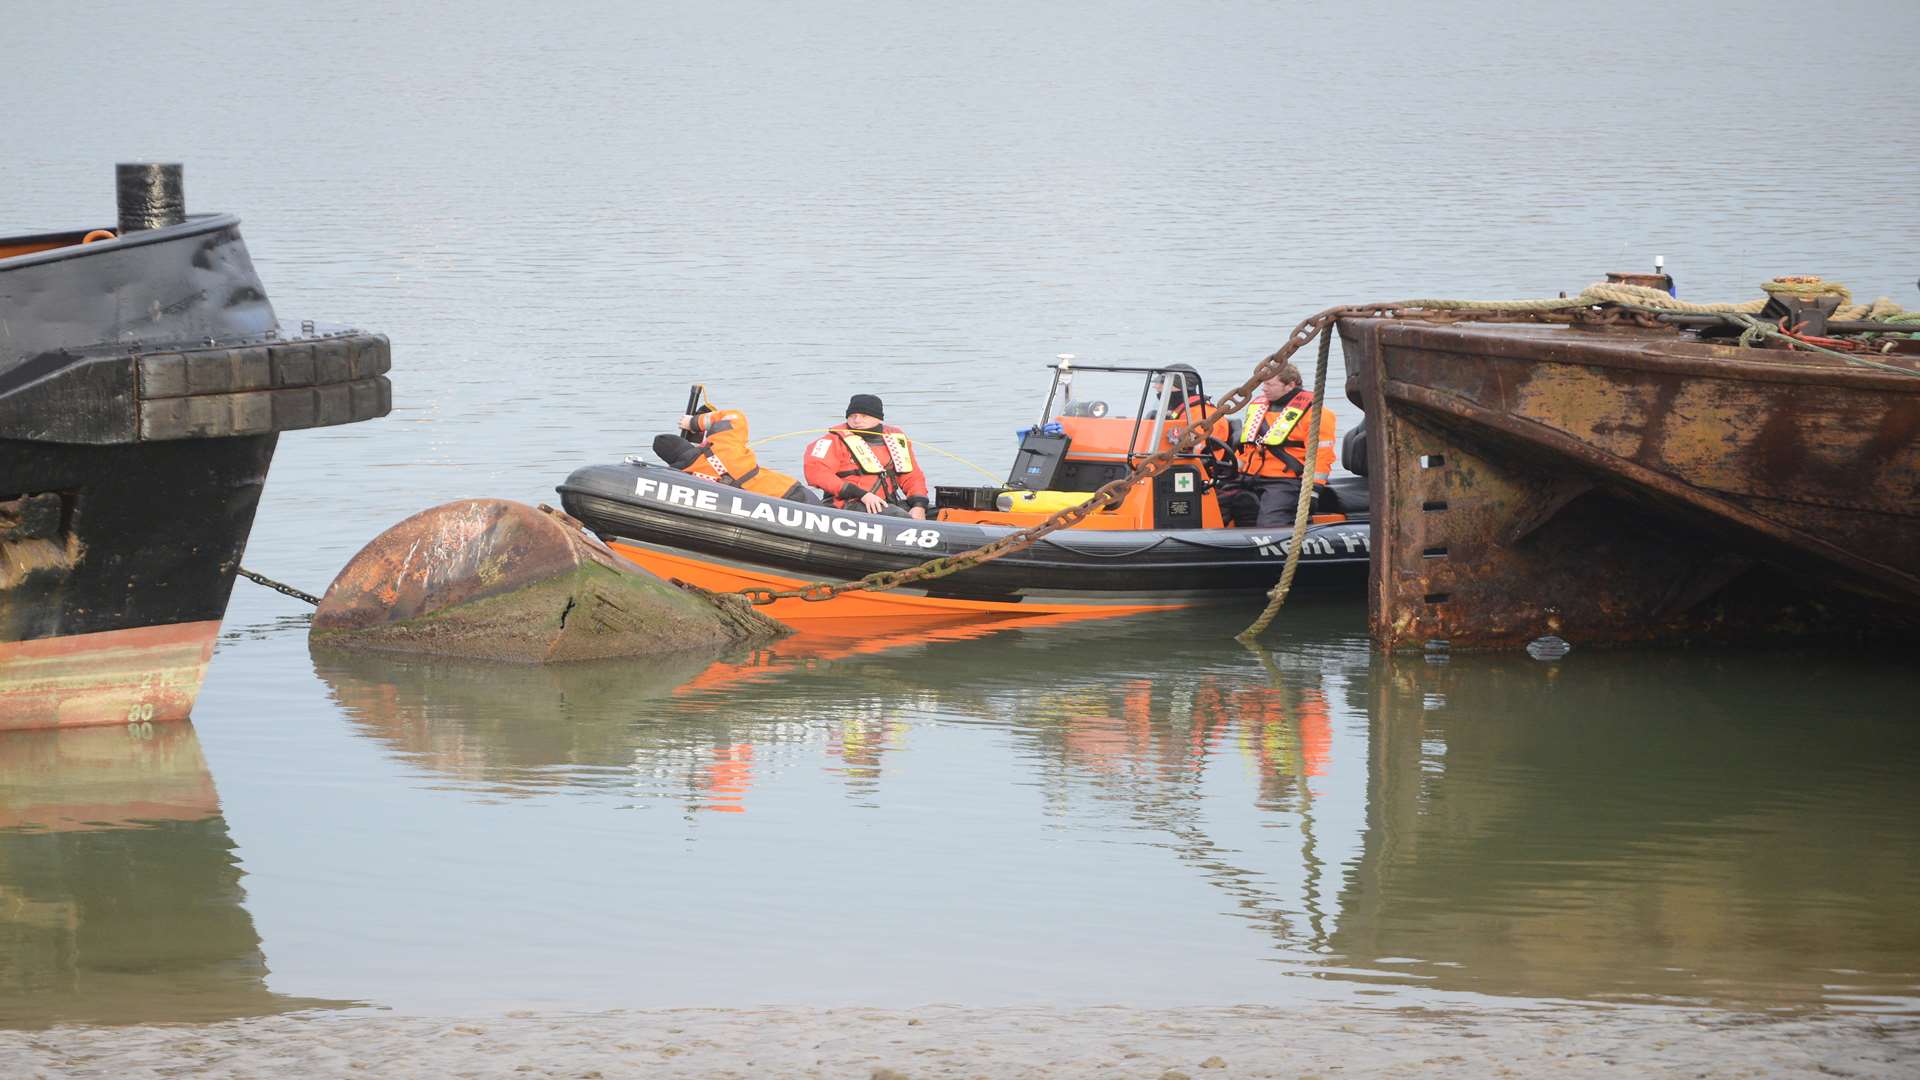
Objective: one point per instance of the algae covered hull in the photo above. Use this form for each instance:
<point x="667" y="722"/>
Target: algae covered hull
<point x="491" y="579"/>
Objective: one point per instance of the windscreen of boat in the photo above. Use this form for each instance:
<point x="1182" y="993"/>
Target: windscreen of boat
<point x="1117" y="413"/>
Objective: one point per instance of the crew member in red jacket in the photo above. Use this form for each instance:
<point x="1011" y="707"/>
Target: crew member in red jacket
<point x="866" y="464"/>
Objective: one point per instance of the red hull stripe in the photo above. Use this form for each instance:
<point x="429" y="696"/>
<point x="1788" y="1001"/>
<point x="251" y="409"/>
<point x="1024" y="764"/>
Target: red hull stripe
<point x="144" y="674"/>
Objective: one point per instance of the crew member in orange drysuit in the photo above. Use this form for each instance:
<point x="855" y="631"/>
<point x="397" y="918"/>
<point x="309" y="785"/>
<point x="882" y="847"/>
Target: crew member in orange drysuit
<point x="1273" y="448"/>
<point x="713" y="443"/>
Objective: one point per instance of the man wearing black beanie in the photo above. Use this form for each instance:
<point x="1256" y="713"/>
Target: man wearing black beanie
<point x="868" y="464"/>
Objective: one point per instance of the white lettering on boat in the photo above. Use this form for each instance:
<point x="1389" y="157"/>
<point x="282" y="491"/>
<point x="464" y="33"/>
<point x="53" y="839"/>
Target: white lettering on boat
<point x="1313" y="545"/>
<point x="771" y="512"/>
<point x="676" y="494"/>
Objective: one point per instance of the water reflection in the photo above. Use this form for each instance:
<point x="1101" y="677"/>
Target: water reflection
<point x="1619" y="827"/>
<point x="505" y="728"/>
<point x="693" y="727"/>
<point x="120" y="899"/>
<point x="1630" y="826"/>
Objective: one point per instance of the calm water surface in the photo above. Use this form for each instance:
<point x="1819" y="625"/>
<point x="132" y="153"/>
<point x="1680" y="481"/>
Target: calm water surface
<point x="564" y="216"/>
<point x="1134" y="811"/>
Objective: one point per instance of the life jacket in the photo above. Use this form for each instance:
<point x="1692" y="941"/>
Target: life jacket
<point x="1267" y="443"/>
<point x="756" y="479"/>
<point x="899" y="449"/>
<point x="1281" y="449"/>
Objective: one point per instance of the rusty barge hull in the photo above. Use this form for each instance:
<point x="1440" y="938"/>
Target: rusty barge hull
<point x="1616" y="485"/>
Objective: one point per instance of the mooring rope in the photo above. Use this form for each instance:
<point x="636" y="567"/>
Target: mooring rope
<point x="1801" y="286"/>
<point x="1302" y="509"/>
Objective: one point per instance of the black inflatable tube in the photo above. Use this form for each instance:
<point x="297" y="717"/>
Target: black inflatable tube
<point x="654" y="505"/>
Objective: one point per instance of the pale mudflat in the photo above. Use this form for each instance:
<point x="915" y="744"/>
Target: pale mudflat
<point x="937" y="1042"/>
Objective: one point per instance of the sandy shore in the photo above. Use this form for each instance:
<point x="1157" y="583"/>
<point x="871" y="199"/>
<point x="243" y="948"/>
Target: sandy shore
<point x="940" y="1042"/>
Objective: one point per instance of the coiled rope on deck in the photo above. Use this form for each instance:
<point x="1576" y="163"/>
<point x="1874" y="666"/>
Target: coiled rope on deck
<point x="1642" y="297"/>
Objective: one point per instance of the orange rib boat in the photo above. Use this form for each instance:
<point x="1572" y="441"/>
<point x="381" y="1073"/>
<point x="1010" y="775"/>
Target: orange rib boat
<point x="1162" y="547"/>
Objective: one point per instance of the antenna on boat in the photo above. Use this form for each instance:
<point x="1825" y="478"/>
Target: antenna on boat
<point x="1066" y="383"/>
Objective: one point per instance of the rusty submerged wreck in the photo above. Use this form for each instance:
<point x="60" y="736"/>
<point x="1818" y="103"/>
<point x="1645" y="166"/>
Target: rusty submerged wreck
<point x="1643" y="473"/>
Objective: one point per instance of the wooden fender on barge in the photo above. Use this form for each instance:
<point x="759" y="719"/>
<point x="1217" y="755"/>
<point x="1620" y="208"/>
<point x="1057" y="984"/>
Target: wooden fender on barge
<point x="498" y="580"/>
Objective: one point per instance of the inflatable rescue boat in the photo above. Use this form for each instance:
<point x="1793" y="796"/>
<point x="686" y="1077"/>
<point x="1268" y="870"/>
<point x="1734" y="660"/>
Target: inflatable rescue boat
<point x="1163" y="546"/>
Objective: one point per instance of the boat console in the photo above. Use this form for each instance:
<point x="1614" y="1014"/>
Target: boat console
<point x="1099" y="422"/>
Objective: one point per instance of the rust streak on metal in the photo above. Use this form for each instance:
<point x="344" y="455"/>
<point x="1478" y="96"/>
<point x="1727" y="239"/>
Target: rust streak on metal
<point x="1660" y="484"/>
<point x="1629" y="485"/>
<point x="1550" y="502"/>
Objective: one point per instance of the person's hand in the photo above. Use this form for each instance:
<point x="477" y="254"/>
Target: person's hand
<point x="918" y="513"/>
<point x="874" y="503"/>
<point x="686" y="422"/>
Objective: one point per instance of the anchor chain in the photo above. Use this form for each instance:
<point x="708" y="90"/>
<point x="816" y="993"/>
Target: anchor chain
<point x="278" y="586"/>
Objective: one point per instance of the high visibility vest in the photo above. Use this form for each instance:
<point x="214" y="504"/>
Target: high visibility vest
<point x="1262" y="450"/>
<point x="899" y="448"/>
<point x="758" y="480"/>
<point x="725" y="475"/>
<point x="1280" y="429"/>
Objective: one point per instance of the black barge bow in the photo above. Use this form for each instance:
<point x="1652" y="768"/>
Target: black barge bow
<point x="144" y="380"/>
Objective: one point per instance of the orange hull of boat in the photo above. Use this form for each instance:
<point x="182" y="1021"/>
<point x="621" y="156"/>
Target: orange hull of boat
<point x="865" y="606"/>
